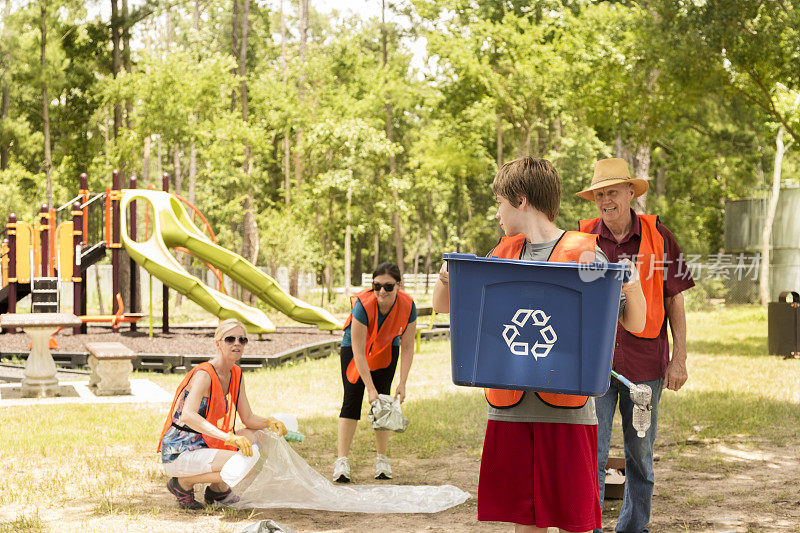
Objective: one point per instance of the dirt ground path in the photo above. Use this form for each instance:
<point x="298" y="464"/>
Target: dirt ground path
<point x="707" y="486"/>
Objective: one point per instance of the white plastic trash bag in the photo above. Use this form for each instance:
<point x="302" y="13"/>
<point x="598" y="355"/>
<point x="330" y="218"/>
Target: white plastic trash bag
<point x="385" y="413"/>
<point x="282" y="479"/>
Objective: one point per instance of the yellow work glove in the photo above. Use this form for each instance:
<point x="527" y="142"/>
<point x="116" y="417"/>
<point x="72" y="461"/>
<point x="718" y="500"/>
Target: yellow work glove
<point x="240" y="442"/>
<point x="276" y="426"/>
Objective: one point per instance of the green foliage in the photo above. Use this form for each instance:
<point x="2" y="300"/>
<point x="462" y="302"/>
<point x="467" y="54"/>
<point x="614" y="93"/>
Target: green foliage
<point x="285" y="241"/>
<point x="702" y="86"/>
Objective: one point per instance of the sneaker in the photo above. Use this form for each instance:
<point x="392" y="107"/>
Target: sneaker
<point x="226" y="497"/>
<point x="185" y="497"/>
<point x="341" y="470"/>
<point x="383" y="468"/>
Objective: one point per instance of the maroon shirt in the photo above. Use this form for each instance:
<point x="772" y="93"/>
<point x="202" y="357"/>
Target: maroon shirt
<point x="635" y="358"/>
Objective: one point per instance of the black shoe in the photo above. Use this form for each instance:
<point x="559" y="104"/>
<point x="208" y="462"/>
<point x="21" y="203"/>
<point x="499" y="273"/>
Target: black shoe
<point x="226" y="497"/>
<point x="185" y="497"/>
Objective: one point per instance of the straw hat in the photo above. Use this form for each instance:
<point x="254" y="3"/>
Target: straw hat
<point x="609" y="172"/>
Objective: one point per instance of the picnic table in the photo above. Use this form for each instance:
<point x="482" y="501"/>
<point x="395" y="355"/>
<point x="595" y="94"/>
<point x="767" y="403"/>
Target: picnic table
<point x="40" y="369"/>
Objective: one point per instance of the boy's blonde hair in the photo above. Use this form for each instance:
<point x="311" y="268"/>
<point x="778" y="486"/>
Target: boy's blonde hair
<point x="531" y="178"/>
<point x="225" y="326"/>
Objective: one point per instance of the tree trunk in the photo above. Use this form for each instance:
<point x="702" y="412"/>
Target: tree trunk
<point x="176" y="169"/>
<point x="192" y="172"/>
<point x="148" y="142"/>
<point x="116" y="60"/>
<point x="146" y="161"/>
<point x="661" y="181"/>
<point x="178" y="182"/>
<point x="376" y="247"/>
<point x="398" y="230"/>
<point x="106" y="139"/>
<point x="766" y="234"/>
<point x="170" y="37"/>
<point x="415" y="253"/>
<point x="128" y="269"/>
<point x="294" y="282"/>
<point x="329" y="262"/>
<point x="193" y="144"/>
<point x="48" y="163"/>
<point x="249" y="240"/>
<point x="245" y="31"/>
<point x="5" y="148"/>
<point x="641" y="170"/>
<point x="358" y="261"/>
<point x="620" y="150"/>
<point x="347" y="239"/>
<point x="524" y="147"/>
<point x="250" y="233"/>
<point x="126" y="59"/>
<point x="428" y="254"/>
<point x="6" y="98"/>
<point x="499" y="141"/>
<point x="287" y="172"/>
<point x="303" y="23"/>
<point x="159" y="165"/>
<point x="234" y="45"/>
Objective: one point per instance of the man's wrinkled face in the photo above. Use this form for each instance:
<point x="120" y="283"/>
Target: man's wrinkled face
<point x="614" y="202"/>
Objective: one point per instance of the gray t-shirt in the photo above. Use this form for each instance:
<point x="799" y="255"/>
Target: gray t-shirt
<point x="532" y="408"/>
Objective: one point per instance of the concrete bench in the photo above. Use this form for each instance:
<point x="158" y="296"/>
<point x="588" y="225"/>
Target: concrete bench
<point x="40" y="369"/>
<point x="111" y="364"/>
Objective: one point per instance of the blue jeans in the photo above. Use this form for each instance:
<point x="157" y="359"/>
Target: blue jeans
<point x="639" y="477"/>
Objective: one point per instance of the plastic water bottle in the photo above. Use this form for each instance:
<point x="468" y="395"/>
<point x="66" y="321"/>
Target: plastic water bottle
<point x="294" y="436"/>
<point x="237" y="467"/>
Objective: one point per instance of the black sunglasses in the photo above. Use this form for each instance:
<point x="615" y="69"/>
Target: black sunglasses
<point x="230" y="339"/>
<point x="388" y="287"/>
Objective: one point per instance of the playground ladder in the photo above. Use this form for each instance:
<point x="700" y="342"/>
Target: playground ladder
<point x="44" y="296"/>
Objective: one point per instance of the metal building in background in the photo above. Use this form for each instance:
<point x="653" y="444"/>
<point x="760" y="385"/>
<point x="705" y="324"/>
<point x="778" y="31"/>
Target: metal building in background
<point x="744" y="222"/>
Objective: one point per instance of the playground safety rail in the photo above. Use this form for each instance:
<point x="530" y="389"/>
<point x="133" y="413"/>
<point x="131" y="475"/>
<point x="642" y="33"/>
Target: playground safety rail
<point x="94" y="213"/>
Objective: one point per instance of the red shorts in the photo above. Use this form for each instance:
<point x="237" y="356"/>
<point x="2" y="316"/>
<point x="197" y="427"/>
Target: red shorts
<point x="541" y="474"/>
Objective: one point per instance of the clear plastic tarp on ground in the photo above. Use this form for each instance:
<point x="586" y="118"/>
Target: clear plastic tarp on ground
<point x="282" y="479"/>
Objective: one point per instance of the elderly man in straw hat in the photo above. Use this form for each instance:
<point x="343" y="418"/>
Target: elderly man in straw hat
<point x="642" y="357"/>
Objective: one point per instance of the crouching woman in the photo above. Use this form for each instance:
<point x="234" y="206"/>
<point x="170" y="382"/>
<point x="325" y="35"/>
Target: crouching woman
<point x="199" y="436"/>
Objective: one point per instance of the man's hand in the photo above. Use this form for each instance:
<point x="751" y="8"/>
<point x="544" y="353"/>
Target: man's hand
<point x="676" y="372"/>
<point x="444" y="277"/>
<point x="633" y="280"/>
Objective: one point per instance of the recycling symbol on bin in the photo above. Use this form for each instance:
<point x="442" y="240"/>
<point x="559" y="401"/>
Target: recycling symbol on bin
<point x="535" y="317"/>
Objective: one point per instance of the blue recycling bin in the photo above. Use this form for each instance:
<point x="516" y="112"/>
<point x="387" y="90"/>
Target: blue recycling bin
<point x="533" y="325"/>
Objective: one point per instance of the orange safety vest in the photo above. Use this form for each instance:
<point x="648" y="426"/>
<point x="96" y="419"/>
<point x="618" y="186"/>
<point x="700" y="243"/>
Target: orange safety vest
<point x="568" y="249"/>
<point x="216" y="411"/>
<point x="649" y="263"/>
<point x="379" y="341"/>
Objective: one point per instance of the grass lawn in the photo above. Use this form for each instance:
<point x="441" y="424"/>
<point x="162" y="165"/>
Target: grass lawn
<point x="98" y="462"/>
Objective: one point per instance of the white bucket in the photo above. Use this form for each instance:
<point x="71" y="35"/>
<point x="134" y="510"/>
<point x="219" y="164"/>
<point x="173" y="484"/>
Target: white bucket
<point x="237" y="467"/>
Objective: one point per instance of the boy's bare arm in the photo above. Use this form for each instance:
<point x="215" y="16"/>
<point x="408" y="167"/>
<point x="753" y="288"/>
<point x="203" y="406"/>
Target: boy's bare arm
<point x="441" y="291"/>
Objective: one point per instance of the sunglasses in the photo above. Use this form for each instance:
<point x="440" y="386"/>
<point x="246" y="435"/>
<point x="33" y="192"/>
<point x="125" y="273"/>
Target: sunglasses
<point x="230" y="339"/>
<point x="388" y="287"/>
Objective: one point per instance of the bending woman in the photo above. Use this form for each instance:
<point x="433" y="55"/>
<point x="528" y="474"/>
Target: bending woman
<point x="379" y="331"/>
<point x="199" y="434"/>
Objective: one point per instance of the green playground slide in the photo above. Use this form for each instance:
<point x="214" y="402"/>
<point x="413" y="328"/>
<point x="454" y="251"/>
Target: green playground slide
<point x="155" y="257"/>
<point x="174" y="228"/>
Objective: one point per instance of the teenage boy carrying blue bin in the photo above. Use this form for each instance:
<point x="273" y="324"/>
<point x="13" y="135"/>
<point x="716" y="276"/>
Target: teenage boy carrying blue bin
<point x="534" y="323"/>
